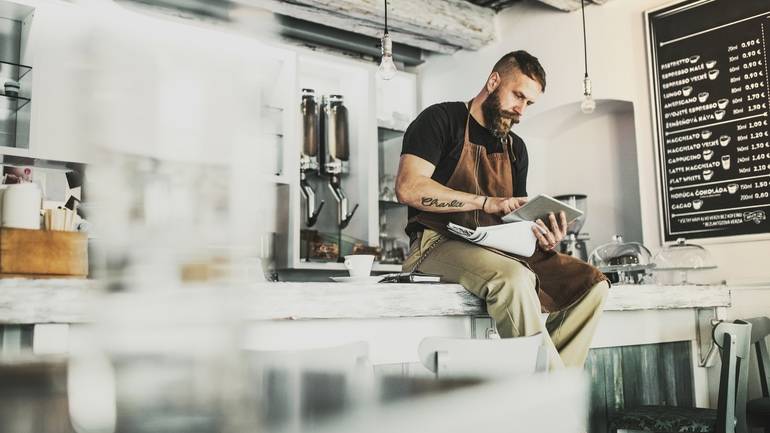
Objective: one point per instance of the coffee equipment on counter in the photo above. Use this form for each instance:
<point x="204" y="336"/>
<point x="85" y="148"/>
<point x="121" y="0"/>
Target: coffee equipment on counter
<point x="308" y="160"/>
<point x="335" y="152"/>
<point x="574" y="244"/>
<point x="623" y="262"/>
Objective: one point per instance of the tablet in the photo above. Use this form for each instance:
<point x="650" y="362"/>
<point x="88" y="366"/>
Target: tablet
<point x="539" y="207"/>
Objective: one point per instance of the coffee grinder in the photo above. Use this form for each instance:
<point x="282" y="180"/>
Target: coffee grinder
<point x="575" y="242"/>
<point x="335" y="153"/>
<point x="308" y="162"/>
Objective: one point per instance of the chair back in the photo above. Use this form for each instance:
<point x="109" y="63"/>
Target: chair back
<point x="335" y="357"/>
<point x="495" y="358"/>
<point x="734" y="340"/>
<point x="295" y="388"/>
<point x="760" y="329"/>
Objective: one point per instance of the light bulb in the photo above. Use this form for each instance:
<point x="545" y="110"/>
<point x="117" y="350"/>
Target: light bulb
<point x="387" y="69"/>
<point x="589" y="105"/>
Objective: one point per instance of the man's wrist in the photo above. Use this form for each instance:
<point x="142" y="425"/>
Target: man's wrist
<point x="484" y="203"/>
<point x="479" y="202"/>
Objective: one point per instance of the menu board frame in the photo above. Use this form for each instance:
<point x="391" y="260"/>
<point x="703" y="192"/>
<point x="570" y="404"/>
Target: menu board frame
<point x="665" y="220"/>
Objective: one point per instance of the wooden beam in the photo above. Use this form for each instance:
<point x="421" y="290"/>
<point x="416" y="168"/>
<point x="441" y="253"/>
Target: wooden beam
<point x="570" y="5"/>
<point x="443" y="26"/>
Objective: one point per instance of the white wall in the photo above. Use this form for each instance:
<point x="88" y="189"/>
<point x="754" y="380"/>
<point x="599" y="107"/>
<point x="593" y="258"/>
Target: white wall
<point x="618" y="68"/>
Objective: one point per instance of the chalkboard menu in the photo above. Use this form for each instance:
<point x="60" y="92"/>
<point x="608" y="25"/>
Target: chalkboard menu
<point x="711" y="96"/>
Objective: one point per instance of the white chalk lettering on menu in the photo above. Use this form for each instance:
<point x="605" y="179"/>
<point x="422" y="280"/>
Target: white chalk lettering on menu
<point x="711" y="106"/>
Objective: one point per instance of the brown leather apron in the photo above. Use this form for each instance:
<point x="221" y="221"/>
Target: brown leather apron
<point x="562" y="279"/>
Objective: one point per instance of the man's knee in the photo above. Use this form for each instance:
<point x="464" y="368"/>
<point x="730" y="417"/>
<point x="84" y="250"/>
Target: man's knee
<point x="511" y="282"/>
<point x="601" y="290"/>
<point x="598" y="293"/>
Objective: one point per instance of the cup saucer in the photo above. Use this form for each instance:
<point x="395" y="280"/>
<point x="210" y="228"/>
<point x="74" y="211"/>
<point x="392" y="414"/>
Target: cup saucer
<point x="359" y="280"/>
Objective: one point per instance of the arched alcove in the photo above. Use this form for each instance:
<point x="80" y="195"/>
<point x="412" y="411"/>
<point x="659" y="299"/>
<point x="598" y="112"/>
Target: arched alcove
<point x="592" y="154"/>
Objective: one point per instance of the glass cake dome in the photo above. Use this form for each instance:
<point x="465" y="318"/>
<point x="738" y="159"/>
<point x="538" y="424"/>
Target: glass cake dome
<point x="682" y="256"/>
<point x="620" y="256"/>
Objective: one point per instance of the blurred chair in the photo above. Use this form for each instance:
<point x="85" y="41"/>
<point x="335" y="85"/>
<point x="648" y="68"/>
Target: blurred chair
<point x="296" y="388"/>
<point x="730" y="415"/>
<point x="758" y="410"/>
<point x="535" y="403"/>
<point x="458" y="357"/>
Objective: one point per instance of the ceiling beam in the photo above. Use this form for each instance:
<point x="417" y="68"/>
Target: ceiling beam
<point x="570" y="5"/>
<point x="443" y="26"/>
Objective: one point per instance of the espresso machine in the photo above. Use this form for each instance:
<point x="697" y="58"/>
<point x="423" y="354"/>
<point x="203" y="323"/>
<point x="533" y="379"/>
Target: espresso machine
<point x="335" y="152"/>
<point x="574" y="244"/>
<point x="308" y="162"/>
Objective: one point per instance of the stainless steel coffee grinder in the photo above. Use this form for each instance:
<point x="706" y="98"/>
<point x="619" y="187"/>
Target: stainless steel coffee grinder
<point x="335" y="152"/>
<point x="574" y="244"/>
<point x="308" y="161"/>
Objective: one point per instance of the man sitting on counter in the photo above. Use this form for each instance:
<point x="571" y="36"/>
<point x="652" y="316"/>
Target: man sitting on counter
<point x="461" y="163"/>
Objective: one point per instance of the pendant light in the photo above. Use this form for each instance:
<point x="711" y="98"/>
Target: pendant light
<point x="387" y="69"/>
<point x="588" y="105"/>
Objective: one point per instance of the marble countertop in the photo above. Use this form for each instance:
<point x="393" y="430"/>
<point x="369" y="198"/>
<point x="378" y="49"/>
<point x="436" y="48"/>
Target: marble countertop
<point x="72" y="301"/>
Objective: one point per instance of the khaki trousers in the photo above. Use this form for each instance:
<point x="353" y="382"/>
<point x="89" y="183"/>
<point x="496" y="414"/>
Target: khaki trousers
<point x="509" y="290"/>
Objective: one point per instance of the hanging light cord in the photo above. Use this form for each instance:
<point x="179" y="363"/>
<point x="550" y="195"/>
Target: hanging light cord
<point x="386" y="17"/>
<point x="585" y="45"/>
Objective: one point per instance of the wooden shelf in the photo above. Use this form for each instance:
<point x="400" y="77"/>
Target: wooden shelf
<point x="386" y="133"/>
<point x="391" y="204"/>
<point x="334" y="266"/>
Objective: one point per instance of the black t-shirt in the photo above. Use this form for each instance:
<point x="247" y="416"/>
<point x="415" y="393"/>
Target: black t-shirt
<point x="437" y="135"/>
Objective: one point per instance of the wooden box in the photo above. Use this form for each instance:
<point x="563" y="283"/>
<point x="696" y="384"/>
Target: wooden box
<point x="43" y="253"/>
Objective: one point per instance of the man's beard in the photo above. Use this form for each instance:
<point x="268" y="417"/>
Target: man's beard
<point x="497" y="120"/>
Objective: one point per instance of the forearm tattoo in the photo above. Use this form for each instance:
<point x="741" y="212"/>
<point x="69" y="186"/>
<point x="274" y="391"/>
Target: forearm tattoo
<point x="434" y="202"/>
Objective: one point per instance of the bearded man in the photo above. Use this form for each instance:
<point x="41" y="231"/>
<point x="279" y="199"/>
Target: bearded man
<point x="461" y="163"/>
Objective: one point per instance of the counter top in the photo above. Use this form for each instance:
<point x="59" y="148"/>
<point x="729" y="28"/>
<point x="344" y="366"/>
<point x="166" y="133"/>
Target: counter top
<point x="68" y="301"/>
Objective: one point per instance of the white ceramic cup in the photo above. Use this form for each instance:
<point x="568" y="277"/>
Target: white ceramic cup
<point x="359" y="265"/>
<point x="21" y="206"/>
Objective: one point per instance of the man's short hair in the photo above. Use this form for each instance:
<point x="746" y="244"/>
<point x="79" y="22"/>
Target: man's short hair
<point x="524" y="62"/>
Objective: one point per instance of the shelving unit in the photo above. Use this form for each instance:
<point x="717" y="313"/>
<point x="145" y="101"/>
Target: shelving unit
<point x="396" y="108"/>
<point x="369" y="126"/>
<point x="13" y="103"/>
<point x="392" y="214"/>
<point x="14" y="71"/>
<point x="328" y="75"/>
<point x="15" y="110"/>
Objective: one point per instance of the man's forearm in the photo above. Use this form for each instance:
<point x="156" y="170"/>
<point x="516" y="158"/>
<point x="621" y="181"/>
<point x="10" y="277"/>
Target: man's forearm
<point x="426" y="194"/>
